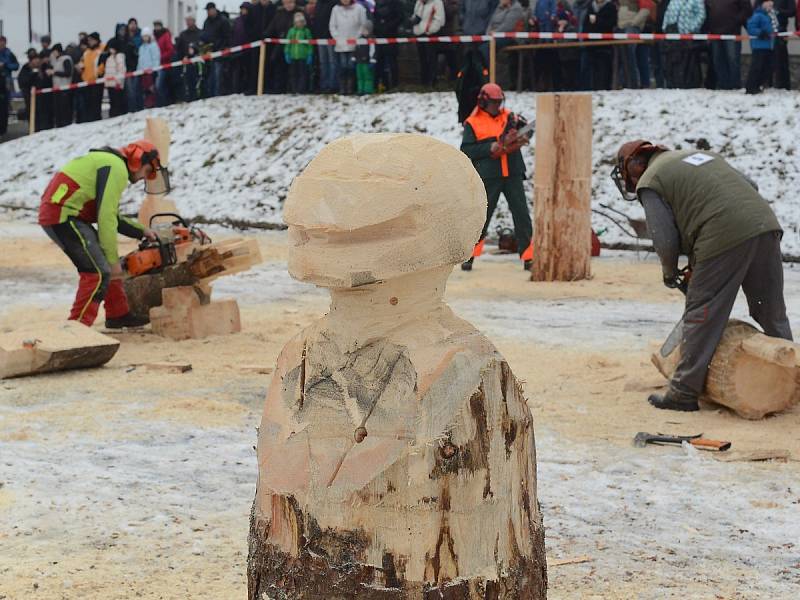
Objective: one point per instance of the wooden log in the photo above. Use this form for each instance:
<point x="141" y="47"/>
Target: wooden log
<point x="752" y="374"/>
<point x="183" y="316"/>
<point x="157" y="132"/>
<point x="48" y="347"/>
<point x="562" y="187"/>
<point x="144" y="291"/>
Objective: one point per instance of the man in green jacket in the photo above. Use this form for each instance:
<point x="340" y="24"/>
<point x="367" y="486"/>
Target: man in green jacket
<point x="698" y="205"/>
<point x="491" y="142"/>
<point x="88" y="190"/>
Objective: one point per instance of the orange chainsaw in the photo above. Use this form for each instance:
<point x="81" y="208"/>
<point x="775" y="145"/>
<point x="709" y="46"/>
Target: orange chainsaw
<point x="152" y="256"/>
<point x="179" y="231"/>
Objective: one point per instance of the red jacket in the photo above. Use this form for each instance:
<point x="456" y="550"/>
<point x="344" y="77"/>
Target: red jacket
<point x="166" y="46"/>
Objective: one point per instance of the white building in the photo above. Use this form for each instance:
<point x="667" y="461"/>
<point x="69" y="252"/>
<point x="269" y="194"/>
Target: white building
<point x="23" y="22"/>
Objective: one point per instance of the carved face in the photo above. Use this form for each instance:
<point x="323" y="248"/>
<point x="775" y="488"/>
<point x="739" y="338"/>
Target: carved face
<point x="372" y="207"/>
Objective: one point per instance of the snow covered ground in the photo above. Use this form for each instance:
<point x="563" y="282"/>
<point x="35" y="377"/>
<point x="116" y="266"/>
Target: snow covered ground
<point x="233" y="158"/>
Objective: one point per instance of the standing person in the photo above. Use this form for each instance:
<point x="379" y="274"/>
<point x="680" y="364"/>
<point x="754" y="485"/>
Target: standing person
<point x="44" y="102"/>
<point x="634" y="66"/>
<point x="428" y="18"/>
<point x="282" y="22"/>
<point x="326" y="54"/>
<point x="682" y="65"/>
<point x="47" y="44"/>
<point x="166" y="51"/>
<point x="475" y="15"/>
<point x="387" y="20"/>
<point x="727" y="17"/>
<point x="91" y="70"/>
<point x="243" y="32"/>
<point x="299" y="56"/>
<point x="61" y="69"/>
<point x="698" y="205"/>
<point x="134" y="33"/>
<point x="189" y="73"/>
<point x="509" y="16"/>
<point x="115" y="78"/>
<point x="491" y="142"/>
<point x="130" y="51"/>
<point x="87" y="190"/>
<point x="348" y="19"/>
<point x="785" y="9"/>
<point x="8" y="64"/>
<point x="27" y="77"/>
<point x="762" y="26"/>
<point x="566" y="76"/>
<point x="601" y="17"/>
<point x="216" y="33"/>
<point x="149" y="58"/>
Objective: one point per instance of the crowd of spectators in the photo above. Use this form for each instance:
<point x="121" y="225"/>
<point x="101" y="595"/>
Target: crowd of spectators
<point x="346" y="68"/>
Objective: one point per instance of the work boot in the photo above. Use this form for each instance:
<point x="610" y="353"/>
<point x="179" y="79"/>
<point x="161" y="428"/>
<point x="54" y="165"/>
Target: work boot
<point x="527" y="265"/>
<point x="127" y="320"/>
<point x="467" y="266"/>
<point x="674" y="400"/>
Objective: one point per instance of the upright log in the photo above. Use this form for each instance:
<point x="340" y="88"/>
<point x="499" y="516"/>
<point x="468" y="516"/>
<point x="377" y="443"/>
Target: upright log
<point x="156" y="131"/>
<point x="562" y="188"/>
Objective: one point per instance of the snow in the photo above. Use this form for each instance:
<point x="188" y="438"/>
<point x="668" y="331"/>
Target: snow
<point x="233" y="158"/>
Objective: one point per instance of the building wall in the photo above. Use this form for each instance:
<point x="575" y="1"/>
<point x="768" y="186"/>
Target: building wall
<point x="70" y="17"/>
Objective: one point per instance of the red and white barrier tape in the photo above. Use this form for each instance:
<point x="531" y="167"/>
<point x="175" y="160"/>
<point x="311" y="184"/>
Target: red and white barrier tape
<point x="457" y="39"/>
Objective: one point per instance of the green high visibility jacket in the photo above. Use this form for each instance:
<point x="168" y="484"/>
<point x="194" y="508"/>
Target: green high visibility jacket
<point x="89" y="189"/>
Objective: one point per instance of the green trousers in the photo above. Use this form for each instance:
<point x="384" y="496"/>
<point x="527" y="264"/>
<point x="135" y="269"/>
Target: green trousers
<point x="511" y="188"/>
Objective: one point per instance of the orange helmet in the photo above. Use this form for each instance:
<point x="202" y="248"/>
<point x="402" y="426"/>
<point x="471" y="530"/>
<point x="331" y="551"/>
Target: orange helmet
<point x="490" y="92"/>
<point x="139" y="153"/>
<point x="627" y="152"/>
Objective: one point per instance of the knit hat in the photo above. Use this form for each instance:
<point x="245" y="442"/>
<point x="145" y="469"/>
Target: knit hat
<point x="95" y="35"/>
<point x="147" y="31"/>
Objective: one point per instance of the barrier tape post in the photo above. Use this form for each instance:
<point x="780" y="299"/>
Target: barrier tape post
<point x="262" y="61"/>
<point x="492" y="59"/>
<point x="32" y="113"/>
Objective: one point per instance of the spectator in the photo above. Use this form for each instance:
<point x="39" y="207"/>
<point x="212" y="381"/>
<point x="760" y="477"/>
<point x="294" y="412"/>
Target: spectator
<point x="635" y="65"/>
<point x="328" y="74"/>
<point x="262" y="12"/>
<point x="387" y="19"/>
<point x="129" y="49"/>
<point x="44" y="102"/>
<point x="191" y="35"/>
<point x="217" y="34"/>
<point x="241" y="64"/>
<point x="508" y="16"/>
<point x="600" y="18"/>
<point x="192" y="75"/>
<point x="61" y="70"/>
<point x="544" y="15"/>
<point x="448" y="49"/>
<point x="568" y="58"/>
<point x="761" y="25"/>
<point x="8" y="64"/>
<point x="282" y="22"/>
<point x="115" y="78"/>
<point x="785" y="10"/>
<point x="727" y="17"/>
<point x="26" y="78"/>
<point x="92" y="69"/>
<point x="134" y="33"/>
<point x="47" y="43"/>
<point x="545" y="61"/>
<point x="166" y="50"/>
<point x="428" y="18"/>
<point x="299" y="56"/>
<point x="365" y="63"/>
<point x="682" y="64"/>
<point x="475" y="15"/>
<point x="149" y="58"/>
<point x="348" y="19"/>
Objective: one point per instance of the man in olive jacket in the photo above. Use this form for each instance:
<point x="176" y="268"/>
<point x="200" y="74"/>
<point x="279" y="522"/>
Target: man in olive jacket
<point x="698" y="205"/>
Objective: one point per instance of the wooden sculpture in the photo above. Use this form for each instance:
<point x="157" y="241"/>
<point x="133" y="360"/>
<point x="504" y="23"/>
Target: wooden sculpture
<point x="396" y="450"/>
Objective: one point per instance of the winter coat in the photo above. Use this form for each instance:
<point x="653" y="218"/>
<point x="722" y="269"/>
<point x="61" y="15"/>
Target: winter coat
<point x="630" y="15"/>
<point x="475" y="15"/>
<point x="545" y="15"/>
<point x="786" y="9"/>
<point x="321" y="28"/>
<point x="431" y="17"/>
<point x="136" y="39"/>
<point x="166" y="48"/>
<point x="115" y="67"/>
<point x="348" y="22"/>
<point x="507" y="19"/>
<point x="606" y="18"/>
<point x="128" y="49"/>
<point x="186" y="38"/>
<point x="217" y="32"/>
<point x="727" y="16"/>
<point x="261" y="15"/>
<point x="149" y="56"/>
<point x="687" y="16"/>
<point x="581" y="9"/>
<point x="62" y="71"/>
<point x="282" y="22"/>
<point x="298" y="52"/>
<point x="387" y="18"/>
<point x="92" y="69"/>
<point x="10" y="62"/>
<point x="760" y="26"/>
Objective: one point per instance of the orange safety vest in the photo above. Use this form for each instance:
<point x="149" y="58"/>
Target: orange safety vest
<point x="486" y="127"/>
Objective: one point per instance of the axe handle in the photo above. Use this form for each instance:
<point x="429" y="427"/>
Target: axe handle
<point x="710" y="444"/>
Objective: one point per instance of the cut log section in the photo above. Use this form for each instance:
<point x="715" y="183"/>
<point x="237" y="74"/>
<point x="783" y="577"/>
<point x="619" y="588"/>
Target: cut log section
<point x="183" y="316"/>
<point x="752" y="374"/>
<point x="49" y="347"/>
<point x="563" y="187"/>
<point x="144" y="291"/>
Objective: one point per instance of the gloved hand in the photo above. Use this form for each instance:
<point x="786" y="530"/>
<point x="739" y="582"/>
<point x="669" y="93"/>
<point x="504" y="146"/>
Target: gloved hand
<point x="150" y="234"/>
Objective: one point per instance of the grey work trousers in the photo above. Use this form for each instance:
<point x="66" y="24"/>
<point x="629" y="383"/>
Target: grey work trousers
<point x="756" y="267"/>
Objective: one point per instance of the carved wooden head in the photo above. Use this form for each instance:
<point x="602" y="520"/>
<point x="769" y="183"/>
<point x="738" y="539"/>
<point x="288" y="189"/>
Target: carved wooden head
<point x="372" y="207"/>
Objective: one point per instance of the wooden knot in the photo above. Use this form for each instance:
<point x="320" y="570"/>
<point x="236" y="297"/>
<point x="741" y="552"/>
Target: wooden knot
<point x="360" y="434"/>
<point x="393" y="301"/>
<point x="448" y="450"/>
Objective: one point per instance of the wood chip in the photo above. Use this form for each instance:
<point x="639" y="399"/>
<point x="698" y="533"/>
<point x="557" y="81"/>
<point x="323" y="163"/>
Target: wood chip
<point x="779" y="454"/>
<point x="569" y="561"/>
<point x="166" y="367"/>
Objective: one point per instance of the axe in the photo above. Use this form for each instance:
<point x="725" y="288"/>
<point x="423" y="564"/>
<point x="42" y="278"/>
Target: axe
<point x="698" y="441"/>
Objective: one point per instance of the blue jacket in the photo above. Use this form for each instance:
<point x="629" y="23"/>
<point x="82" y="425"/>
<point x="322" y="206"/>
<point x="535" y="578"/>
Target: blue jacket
<point x="10" y="63"/>
<point x="545" y="14"/>
<point x="149" y="56"/>
<point x="758" y="25"/>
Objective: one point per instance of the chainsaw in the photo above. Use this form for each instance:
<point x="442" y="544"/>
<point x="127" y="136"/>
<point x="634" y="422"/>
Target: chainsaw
<point x="178" y="231"/>
<point x="152" y="256"/>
